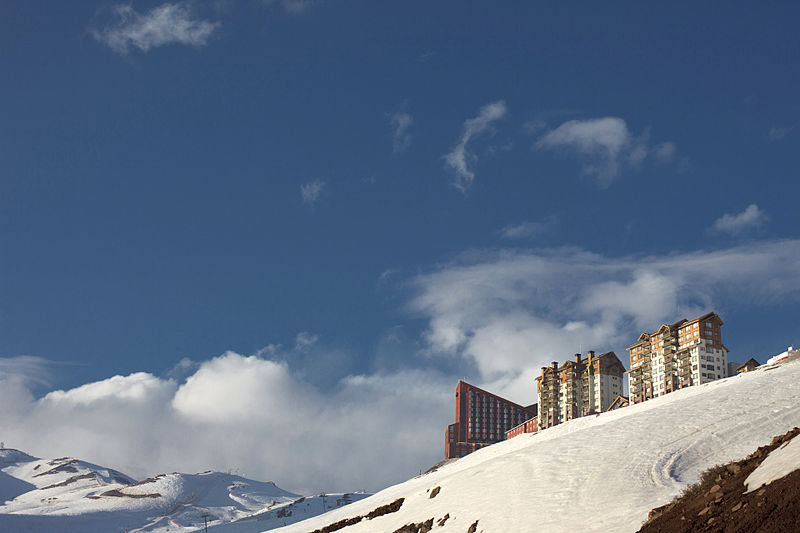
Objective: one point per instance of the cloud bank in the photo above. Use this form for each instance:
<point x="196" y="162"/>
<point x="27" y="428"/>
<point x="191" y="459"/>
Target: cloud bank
<point x="169" y="23"/>
<point x="460" y="159"/>
<point x="242" y="413"/>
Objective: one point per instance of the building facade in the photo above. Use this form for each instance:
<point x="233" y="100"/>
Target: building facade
<point x="683" y="354"/>
<point x="578" y="388"/>
<point x="529" y="426"/>
<point x="482" y="418"/>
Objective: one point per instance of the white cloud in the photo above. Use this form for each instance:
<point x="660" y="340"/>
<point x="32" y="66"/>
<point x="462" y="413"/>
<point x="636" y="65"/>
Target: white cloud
<point x="244" y="413"/>
<point x="137" y="387"/>
<point x="401" y="124"/>
<point x="169" y="23"/>
<point x="27" y="369"/>
<point x="509" y="313"/>
<point x="311" y="191"/>
<point x="606" y="145"/>
<point x="665" y="151"/>
<point x="751" y="217"/>
<point x="533" y="126"/>
<point x="527" y="229"/>
<point x="292" y="6"/>
<point x="305" y="340"/>
<point x="778" y="134"/>
<point x="460" y="159"/>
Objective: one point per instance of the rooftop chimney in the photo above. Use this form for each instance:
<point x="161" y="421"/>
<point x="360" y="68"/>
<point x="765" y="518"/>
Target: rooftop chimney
<point x="577" y="358"/>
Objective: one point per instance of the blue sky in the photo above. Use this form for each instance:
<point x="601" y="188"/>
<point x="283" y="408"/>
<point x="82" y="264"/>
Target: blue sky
<point x="359" y="198"/>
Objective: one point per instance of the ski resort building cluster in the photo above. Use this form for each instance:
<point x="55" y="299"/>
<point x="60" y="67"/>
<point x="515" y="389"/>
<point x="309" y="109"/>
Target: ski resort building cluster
<point x="678" y="355"/>
<point x="578" y="388"/>
<point x="674" y="356"/>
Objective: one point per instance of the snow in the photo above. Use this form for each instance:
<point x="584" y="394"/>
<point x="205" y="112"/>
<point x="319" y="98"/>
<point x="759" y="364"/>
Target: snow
<point x="599" y="473"/>
<point x="779" y="463"/>
<point x="69" y="495"/>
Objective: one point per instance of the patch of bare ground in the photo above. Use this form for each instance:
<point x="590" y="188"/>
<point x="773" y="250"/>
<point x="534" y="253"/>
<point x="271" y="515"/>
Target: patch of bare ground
<point x="70" y="480"/>
<point x="375" y="513"/>
<point x="718" y="501"/>
<point x="422" y="527"/>
<point x="68" y="467"/>
<point x="147" y="480"/>
<point x="117" y="493"/>
<point x="438" y="465"/>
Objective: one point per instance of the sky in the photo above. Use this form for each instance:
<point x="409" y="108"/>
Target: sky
<point x="270" y="236"/>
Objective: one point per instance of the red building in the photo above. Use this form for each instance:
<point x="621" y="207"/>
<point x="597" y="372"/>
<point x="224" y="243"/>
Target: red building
<point x="481" y="419"/>
<point x="529" y="426"/>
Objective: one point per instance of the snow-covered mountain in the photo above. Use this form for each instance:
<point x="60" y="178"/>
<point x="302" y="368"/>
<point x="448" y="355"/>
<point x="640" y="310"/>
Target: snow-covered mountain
<point x="69" y="495"/>
<point x="600" y="473"/>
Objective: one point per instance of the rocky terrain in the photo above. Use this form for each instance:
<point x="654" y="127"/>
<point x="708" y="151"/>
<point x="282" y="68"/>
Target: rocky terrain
<point x="723" y="500"/>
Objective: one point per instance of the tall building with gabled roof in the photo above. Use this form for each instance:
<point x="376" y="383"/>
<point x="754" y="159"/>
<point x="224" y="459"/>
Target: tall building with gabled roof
<point x="677" y="355"/>
<point x="578" y="387"/>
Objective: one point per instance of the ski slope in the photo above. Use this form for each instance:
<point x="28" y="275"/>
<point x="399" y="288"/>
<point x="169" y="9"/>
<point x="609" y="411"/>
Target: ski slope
<point x="72" y="496"/>
<point x="601" y="473"/>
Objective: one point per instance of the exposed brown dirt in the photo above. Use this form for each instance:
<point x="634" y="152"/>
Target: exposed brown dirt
<point x="386" y="509"/>
<point x="438" y="465"/>
<point x="66" y="467"/>
<point x="473" y="528"/>
<point x="378" y="511"/>
<point x="422" y="527"/>
<point x="119" y="494"/>
<point x="434" y="492"/>
<point x="718" y="501"/>
<point x="70" y="480"/>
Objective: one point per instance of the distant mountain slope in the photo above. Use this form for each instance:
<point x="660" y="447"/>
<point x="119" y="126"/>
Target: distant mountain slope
<point x="600" y="473"/>
<point x="69" y="495"/>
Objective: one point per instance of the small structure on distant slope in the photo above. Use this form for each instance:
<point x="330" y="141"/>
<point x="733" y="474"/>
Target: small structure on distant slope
<point x="748" y="366"/>
<point x="619" y="401"/>
<point x="788" y="355"/>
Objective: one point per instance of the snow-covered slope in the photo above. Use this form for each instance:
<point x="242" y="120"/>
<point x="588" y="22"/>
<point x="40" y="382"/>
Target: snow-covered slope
<point x="600" y="473"/>
<point x="75" y="496"/>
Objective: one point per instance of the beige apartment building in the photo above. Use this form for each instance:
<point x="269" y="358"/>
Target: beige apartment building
<point x="686" y="353"/>
<point x="578" y="388"/>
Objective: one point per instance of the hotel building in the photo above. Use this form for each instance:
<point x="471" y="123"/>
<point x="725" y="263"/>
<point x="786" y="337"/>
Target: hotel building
<point x="482" y="418"/>
<point x="686" y="353"/>
<point x="578" y="388"/>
